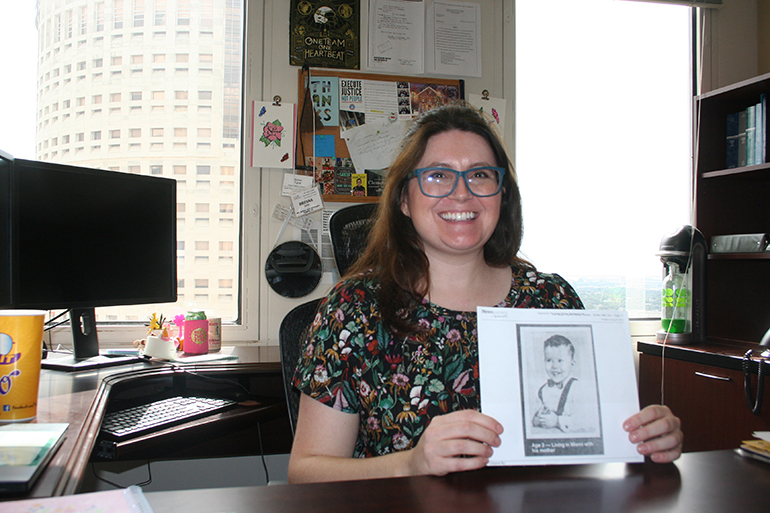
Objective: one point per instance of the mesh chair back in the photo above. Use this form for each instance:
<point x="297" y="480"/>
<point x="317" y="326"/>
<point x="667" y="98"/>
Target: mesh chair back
<point x="349" y="229"/>
<point x="291" y="338"/>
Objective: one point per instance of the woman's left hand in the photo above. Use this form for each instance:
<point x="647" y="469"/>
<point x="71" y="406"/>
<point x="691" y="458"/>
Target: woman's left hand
<point x="657" y="433"/>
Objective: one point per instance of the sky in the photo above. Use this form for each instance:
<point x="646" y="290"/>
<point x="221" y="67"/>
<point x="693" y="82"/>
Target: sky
<point x="18" y="41"/>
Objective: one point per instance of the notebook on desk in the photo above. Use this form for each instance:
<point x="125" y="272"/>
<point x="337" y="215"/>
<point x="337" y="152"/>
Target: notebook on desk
<point x="25" y="450"/>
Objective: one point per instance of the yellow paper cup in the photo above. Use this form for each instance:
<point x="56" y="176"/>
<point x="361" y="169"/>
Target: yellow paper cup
<point x="21" y="345"/>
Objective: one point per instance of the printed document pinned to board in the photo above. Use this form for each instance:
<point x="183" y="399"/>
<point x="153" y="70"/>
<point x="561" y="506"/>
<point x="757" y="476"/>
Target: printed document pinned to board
<point x="560" y="381"/>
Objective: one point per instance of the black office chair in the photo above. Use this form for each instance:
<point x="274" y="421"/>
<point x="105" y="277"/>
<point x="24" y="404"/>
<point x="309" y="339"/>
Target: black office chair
<point x="291" y="338"/>
<point x="349" y="229"/>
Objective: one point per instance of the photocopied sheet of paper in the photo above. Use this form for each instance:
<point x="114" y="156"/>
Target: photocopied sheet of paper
<point x="453" y="38"/>
<point x="396" y="36"/>
<point x="560" y="381"/>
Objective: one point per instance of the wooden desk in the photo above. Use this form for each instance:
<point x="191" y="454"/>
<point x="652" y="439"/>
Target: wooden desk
<point x="82" y="399"/>
<point x="704" y="482"/>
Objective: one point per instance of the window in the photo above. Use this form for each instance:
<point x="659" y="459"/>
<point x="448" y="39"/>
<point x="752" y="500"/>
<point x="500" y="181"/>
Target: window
<point x="139" y="10"/>
<point x="100" y="28"/>
<point x="117" y="14"/>
<point x="160" y="13"/>
<point x="183" y="12"/>
<point x="586" y="187"/>
<point x="100" y="17"/>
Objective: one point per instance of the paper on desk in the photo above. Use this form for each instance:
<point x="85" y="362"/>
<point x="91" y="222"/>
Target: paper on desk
<point x="762" y="435"/>
<point x="513" y="381"/>
<point x="129" y="500"/>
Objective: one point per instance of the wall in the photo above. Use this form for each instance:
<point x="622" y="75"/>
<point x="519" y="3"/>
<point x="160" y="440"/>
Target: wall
<point x="731" y="43"/>
<point x="279" y="78"/>
<point x="763" y="36"/>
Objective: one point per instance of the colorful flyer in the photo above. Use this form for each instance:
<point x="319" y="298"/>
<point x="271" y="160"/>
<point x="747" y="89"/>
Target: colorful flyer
<point x="324" y="93"/>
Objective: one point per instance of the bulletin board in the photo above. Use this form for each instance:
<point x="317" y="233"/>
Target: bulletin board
<point x="335" y="95"/>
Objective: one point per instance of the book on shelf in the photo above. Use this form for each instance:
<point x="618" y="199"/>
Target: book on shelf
<point x="746" y="136"/>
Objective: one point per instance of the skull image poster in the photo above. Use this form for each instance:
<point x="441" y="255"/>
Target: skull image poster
<point x="325" y="33"/>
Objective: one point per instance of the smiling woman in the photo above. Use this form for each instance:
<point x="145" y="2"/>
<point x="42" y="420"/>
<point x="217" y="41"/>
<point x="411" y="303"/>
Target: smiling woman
<point x="391" y="366"/>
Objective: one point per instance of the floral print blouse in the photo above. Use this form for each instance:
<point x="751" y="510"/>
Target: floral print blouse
<point x="396" y="385"/>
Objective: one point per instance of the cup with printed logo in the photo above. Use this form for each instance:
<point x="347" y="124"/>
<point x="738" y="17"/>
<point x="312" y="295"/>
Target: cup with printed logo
<point x="21" y="346"/>
<point x="196" y="333"/>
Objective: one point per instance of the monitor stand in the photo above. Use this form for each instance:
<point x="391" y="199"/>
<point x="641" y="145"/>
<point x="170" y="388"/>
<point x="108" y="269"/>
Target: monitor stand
<point x="85" y="343"/>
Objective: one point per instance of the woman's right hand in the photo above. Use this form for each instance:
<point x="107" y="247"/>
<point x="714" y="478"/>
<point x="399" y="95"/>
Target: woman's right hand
<point x="456" y="442"/>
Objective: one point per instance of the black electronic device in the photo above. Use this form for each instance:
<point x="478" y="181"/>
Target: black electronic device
<point x="78" y="238"/>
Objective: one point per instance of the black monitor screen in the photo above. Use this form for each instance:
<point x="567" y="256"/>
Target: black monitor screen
<point x="83" y="238"/>
<point x="5" y="228"/>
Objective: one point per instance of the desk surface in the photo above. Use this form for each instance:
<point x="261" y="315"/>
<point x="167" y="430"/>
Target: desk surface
<point x="704" y="482"/>
<point x="81" y="398"/>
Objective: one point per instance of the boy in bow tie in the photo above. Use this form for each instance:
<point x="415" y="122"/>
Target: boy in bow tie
<point x="557" y="406"/>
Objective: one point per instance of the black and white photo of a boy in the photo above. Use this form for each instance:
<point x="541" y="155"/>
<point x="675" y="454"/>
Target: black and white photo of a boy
<point x="558" y="406"/>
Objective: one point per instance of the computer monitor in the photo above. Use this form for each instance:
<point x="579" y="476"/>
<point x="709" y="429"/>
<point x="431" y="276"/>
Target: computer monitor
<point x="78" y="238"/>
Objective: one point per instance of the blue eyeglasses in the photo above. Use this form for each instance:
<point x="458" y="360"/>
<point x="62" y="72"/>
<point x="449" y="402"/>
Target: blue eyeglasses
<point x="440" y="182"/>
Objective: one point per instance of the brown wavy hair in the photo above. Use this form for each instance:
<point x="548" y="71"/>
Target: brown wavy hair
<point x="394" y="254"/>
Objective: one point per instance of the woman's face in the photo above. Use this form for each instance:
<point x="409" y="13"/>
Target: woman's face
<point x="461" y="223"/>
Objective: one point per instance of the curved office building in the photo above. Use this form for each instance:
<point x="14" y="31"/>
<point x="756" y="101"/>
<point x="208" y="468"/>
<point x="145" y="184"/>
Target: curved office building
<point x="153" y="87"/>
